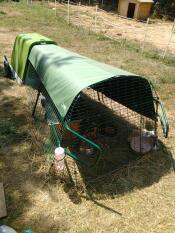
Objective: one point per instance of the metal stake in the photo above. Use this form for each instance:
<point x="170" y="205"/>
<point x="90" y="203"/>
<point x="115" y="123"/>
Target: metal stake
<point x="96" y="11"/>
<point x="68" y="11"/>
<point x="169" y="41"/>
<point x="146" y="31"/>
<point x="55" y="8"/>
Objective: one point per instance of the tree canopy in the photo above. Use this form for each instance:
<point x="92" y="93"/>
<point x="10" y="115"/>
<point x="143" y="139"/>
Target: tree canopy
<point x="165" y="7"/>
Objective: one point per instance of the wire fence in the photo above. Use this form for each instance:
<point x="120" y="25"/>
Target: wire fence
<point x="154" y="35"/>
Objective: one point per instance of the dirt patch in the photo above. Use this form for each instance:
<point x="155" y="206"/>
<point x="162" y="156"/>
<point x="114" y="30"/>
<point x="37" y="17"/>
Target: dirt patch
<point x="12" y="13"/>
<point x="7" y="35"/>
<point x="7" y="40"/>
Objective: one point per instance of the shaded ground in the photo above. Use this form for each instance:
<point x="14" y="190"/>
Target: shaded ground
<point x="138" y="198"/>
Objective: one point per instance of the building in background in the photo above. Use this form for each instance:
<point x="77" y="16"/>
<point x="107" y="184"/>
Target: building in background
<point x="137" y="9"/>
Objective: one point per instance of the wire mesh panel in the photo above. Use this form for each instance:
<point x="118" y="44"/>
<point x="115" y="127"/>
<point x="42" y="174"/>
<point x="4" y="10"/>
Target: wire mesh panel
<point x="123" y="134"/>
<point x="43" y="116"/>
<point x="115" y="118"/>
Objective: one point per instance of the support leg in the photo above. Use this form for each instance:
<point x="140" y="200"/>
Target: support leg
<point x="37" y="98"/>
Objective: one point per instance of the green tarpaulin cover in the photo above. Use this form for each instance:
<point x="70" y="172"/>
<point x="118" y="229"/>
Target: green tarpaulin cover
<point x="23" y="45"/>
<point x="65" y="74"/>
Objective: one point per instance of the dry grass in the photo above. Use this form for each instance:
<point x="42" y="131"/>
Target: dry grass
<point x="138" y="198"/>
